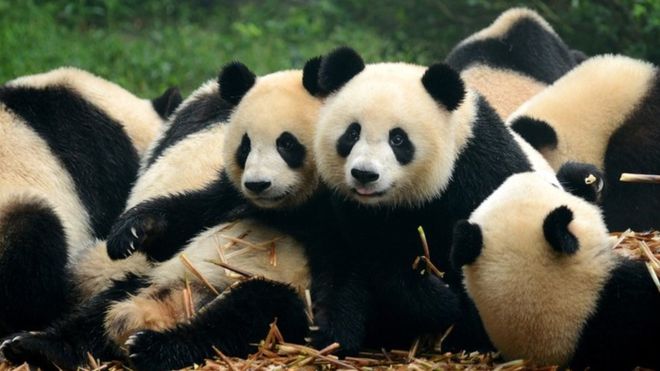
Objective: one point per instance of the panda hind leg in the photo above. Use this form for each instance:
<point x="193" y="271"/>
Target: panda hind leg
<point x="35" y="284"/>
<point x="233" y="321"/>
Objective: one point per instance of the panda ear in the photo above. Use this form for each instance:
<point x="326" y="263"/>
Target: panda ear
<point x="555" y="229"/>
<point x="310" y="79"/>
<point x="536" y="132"/>
<point x="235" y="80"/>
<point x="338" y="67"/>
<point x="466" y="244"/>
<point x="444" y="85"/>
<point x="167" y="102"/>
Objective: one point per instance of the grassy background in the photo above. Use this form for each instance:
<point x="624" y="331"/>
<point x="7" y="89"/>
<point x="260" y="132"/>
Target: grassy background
<point x="149" y="45"/>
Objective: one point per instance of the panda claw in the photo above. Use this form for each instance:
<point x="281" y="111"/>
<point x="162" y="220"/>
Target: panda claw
<point x="131" y="340"/>
<point x="133" y="355"/>
<point x="132" y="246"/>
<point x="134" y="232"/>
<point x="17" y="338"/>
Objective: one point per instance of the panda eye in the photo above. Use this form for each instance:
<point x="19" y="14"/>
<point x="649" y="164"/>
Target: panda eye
<point x="354" y="134"/>
<point x="396" y="140"/>
<point x="285" y="144"/>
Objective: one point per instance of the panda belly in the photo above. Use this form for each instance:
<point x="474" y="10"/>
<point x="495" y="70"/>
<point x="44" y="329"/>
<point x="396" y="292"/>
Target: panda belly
<point x="245" y="245"/>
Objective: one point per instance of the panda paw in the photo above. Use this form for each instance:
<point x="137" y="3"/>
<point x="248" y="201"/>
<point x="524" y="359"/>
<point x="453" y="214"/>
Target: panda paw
<point x="151" y="350"/>
<point x="134" y="231"/>
<point x="39" y="349"/>
<point x="582" y="180"/>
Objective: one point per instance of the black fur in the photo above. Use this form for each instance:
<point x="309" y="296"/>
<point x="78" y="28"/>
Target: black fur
<point x="311" y="76"/>
<point x="337" y="68"/>
<point x="555" y="230"/>
<point x="198" y="115"/>
<point x="633" y="148"/>
<point x="527" y="47"/>
<point x="230" y="323"/>
<point x="235" y="80"/>
<point x="623" y="332"/>
<point x="466" y="244"/>
<point x="582" y="180"/>
<point x="536" y="132"/>
<point x="67" y="342"/>
<point x="444" y="85"/>
<point x="35" y="286"/>
<point x="163" y="225"/>
<point x="403" y="148"/>
<point x="291" y="150"/>
<point x="93" y="148"/>
<point x="243" y="151"/>
<point x="167" y="102"/>
<point x="347" y="140"/>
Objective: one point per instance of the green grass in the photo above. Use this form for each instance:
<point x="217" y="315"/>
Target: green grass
<point x="149" y="45"/>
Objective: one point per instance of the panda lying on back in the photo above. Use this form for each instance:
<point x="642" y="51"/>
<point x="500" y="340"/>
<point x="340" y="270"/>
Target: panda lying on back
<point x="70" y="149"/>
<point x="200" y="144"/>
<point x="538" y="263"/>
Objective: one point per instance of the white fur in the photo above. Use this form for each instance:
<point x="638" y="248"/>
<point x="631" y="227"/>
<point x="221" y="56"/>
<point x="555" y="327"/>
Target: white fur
<point x="534" y="302"/>
<point x="588" y="104"/>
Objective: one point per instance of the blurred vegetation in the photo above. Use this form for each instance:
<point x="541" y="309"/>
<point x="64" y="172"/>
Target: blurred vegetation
<point x="148" y="45"/>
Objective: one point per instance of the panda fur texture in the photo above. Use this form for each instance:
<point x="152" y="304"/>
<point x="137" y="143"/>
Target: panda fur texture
<point x="402" y="146"/>
<point x="70" y="152"/>
<point x="538" y="262"/>
<point x="155" y="302"/>
<point x="513" y="59"/>
<point x="603" y="112"/>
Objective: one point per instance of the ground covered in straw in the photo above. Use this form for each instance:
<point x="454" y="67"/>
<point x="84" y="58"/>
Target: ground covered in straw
<point x="275" y="353"/>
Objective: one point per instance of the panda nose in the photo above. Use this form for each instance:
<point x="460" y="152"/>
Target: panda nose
<point x="364" y="176"/>
<point x="257" y="187"/>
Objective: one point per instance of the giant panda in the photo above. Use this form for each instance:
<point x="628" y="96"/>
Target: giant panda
<point x="70" y="150"/>
<point x="538" y="262"/>
<point x="512" y="59"/>
<point x="603" y="112"/>
<point x="402" y="146"/>
<point x="155" y="303"/>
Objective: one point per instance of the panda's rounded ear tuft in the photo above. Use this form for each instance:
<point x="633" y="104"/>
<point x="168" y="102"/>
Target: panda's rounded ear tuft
<point x="536" y="132"/>
<point x="467" y="243"/>
<point x="555" y="230"/>
<point x="235" y="80"/>
<point x="167" y="102"/>
<point x="444" y="85"/>
<point x="310" y="79"/>
<point x="338" y="67"/>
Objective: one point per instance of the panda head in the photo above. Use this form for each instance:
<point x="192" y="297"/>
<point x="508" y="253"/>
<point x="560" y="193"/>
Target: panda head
<point x="534" y="259"/>
<point x="389" y="133"/>
<point x="269" y="136"/>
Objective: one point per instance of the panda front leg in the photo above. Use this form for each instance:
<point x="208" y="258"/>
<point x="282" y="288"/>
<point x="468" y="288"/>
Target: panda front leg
<point x="35" y="284"/>
<point x="423" y="301"/>
<point x="67" y="342"/>
<point x="239" y="317"/>
<point x="160" y="227"/>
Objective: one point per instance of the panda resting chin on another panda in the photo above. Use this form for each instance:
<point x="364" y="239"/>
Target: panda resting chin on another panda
<point x="539" y="265"/>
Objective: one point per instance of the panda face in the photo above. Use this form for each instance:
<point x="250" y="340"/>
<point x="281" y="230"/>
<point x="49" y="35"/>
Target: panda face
<point x="535" y="259"/>
<point x="268" y="141"/>
<point x="383" y="140"/>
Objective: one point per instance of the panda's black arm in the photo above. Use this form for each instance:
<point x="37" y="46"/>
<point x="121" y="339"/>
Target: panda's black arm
<point x="422" y="301"/>
<point x="160" y="227"/>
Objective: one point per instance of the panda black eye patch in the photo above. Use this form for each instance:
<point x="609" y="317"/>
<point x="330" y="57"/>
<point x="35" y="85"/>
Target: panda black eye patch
<point x="290" y="149"/>
<point x="243" y="151"/>
<point x="347" y="140"/>
<point x="401" y="146"/>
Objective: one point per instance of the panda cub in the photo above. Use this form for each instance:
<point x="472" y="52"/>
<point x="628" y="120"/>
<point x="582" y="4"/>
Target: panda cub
<point x="538" y="262"/>
<point x="603" y="112"/>
<point x="513" y="59"/>
<point x="239" y="317"/>
<point x="70" y="150"/>
<point x="402" y="146"/>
